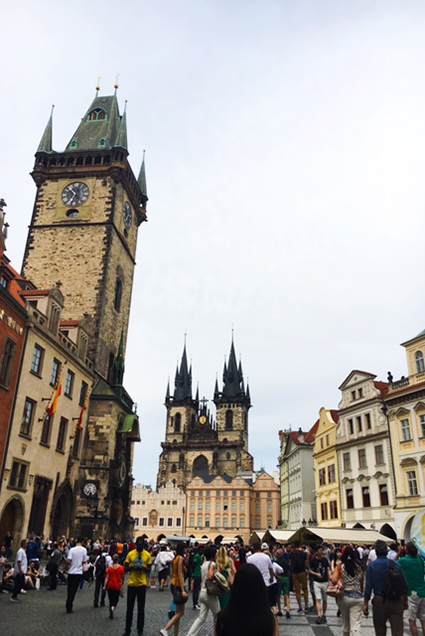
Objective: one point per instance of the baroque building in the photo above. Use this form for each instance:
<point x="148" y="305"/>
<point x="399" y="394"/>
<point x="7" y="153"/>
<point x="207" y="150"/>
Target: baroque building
<point x="365" y="463"/>
<point x="405" y="411"/>
<point x="195" y="443"/>
<point x="297" y="482"/>
<point x="158" y="514"/>
<point x="326" y="466"/>
<point x="83" y="232"/>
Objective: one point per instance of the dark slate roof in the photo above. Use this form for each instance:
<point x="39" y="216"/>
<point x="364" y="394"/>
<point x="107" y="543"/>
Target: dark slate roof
<point x="89" y="133"/>
<point x="183" y="381"/>
<point x="232" y="376"/>
<point x="45" y="144"/>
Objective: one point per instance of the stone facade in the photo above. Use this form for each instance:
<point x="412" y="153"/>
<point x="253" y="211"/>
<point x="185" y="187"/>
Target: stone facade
<point x="44" y="453"/>
<point x="83" y="232"/>
<point x="158" y="514"/>
<point x="196" y="444"/>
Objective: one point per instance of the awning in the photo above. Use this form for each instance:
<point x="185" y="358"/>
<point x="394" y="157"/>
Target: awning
<point x="337" y="535"/>
<point x="278" y="535"/>
<point x="130" y="426"/>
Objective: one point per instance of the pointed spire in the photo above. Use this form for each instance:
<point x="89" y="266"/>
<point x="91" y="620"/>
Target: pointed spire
<point x="248" y="395"/>
<point x="216" y="391"/>
<point x="183" y="382"/>
<point x="45" y="144"/>
<point x="167" y="395"/>
<point x="121" y="139"/>
<point x="197" y="393"/>
<point x="141" y="180"/>
<point x="118" y="369"/>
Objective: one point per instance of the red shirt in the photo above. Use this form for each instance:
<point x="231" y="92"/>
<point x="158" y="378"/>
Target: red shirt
<point x="116" y="577"/>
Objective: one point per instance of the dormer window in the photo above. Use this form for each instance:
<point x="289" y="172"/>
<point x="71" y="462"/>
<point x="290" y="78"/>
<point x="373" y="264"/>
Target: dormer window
<point x="74" y="143"/>
<point x="98" y="114"/>
<point x="102" y="143"/>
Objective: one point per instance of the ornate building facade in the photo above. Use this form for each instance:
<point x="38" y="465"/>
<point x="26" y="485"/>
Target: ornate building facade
<point x="158" y="514"/>
<point x="88" y="208"/>
<point x="195" y="443"/>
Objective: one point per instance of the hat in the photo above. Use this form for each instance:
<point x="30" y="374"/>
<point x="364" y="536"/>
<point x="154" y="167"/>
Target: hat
<point x="264" y="546"/>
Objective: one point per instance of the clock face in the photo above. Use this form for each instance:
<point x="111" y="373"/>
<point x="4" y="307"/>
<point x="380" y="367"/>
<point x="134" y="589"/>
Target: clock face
<point x="90" y="489"/>
<point x="203" y="419"/>
<point x="127" y="215"/>
<point x="75" y="194"/>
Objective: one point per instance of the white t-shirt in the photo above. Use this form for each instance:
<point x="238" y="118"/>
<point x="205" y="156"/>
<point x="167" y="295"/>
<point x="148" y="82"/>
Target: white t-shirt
<point x="21" y="556"/>
<point x="277" y="569"/>
<point x="264" y="564"/>
<point x="372" y="555"/>
<point x="78" y="556"/>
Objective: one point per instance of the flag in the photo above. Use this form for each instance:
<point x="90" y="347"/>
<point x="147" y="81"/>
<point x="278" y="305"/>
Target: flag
<point x="54" y="406"/>
<point x="83" y="410"/>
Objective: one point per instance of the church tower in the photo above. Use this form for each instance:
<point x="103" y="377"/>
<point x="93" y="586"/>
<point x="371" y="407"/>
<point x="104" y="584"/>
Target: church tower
<point x="88" y="208"/>
<point x="196" y="444"/>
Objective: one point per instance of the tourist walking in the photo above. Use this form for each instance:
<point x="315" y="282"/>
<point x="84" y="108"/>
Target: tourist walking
<point x="197" y="562"/>
<point x="20" y="570"/>
<point x="226" y="567"/>
<point x="180" y="596"/>
<point x="413" y="567"/>
<point x="248" y="611"/>
<point x="138" y="562"/>
<point x="114" y="582"/>
<point x="320" y="569"/>
<point x="208" y="603"/>
<point x="350" y="604"/>
<point x="75" y="561"/>
<point x="298" y="562"/>
<point x="383" y="608"/>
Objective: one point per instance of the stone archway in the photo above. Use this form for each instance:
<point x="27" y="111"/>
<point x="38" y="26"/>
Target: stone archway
<point x="12" y="519"/>
<point x="406" y="536"/>
<point x="62" y="513"/>
<point x="388" y="531"/>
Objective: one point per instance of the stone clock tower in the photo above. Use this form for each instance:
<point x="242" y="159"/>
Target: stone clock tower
<point x="88" y="208"/>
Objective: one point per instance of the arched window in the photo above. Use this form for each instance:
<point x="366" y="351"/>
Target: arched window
<point x="228" y="456"/>
<point x="102" y="143"/>
<point x="98" y="114"/>
<point x="181" y="460"/>
<point x="118" y="294"/>
<point x="177" y="422"/>
<point x="229" y="420"/>
<point x="200" y="466"/>
<point x="420" y="364"/>
<point x="173" y="468"/>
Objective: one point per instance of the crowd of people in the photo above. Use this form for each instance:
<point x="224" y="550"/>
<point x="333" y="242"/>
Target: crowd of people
<point x="246" y="589"/>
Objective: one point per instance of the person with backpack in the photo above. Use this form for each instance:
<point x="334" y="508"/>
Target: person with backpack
<point x="386" y="580"/>
<point x="100" y="566"/>
<point x="413" y="566"/>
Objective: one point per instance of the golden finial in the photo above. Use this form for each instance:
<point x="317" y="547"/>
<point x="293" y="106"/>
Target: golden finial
<point x="98" y="84"/>
<point x="116" y="85"/>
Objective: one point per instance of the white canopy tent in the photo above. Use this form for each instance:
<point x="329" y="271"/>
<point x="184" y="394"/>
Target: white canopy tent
<point x="329" y="535"/>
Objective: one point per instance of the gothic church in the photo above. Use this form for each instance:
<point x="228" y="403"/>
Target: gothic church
<point x="196" y="443"/>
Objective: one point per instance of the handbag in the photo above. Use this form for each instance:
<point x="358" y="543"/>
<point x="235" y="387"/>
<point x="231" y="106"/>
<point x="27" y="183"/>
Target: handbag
<point x="178" y="597"/>
<point x="217" y="586"/>
<point x="335" y="589"/>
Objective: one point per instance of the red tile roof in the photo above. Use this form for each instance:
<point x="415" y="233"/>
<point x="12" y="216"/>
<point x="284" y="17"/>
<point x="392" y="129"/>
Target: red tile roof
<point x="312" y="432"/>
<point x="34" y="292"/>
<point x="335" y="414"/>
<point x="383" y="387"/>
<point x="69" y="323"/>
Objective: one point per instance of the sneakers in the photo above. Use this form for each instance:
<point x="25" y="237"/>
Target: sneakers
<point x="14" y="600"/>
<point x="288" y="615"/>
<point x="163" y="632"/>
<point x="279" y="613"/>
<point x="324" y="621"/>
<point x="321" y="620"/>
<point x="300" y="610"/>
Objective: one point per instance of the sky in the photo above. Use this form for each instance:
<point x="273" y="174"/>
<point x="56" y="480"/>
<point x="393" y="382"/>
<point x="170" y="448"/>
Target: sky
<point x="285" y="172"/>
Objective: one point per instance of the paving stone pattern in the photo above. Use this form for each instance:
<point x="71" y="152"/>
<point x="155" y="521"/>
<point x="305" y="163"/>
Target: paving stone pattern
<point x="43" y="613"/>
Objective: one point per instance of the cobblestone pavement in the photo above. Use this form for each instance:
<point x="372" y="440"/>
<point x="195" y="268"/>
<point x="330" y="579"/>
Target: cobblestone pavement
<point x="43" y="613"/>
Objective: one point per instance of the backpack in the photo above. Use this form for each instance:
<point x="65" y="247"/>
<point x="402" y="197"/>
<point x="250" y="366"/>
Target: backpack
<point x="100" y="565"/>
<point x="395" y="585"/>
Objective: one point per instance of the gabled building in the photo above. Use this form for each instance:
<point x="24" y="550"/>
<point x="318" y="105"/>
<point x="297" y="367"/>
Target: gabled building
<point x="326" y="470"/>
<point x="365" y="464"/>
<point x="297" y="466"/>
<point x="197" y="444"/>
<point x="158" y="514"/>
<point x="405" y="409"/>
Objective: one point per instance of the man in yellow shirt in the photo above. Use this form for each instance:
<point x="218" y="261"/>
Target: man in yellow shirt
<point x="138" y="563"/>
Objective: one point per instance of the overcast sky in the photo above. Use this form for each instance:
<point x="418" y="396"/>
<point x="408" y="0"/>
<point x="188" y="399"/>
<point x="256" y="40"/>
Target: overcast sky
<point x="285" y="165"/>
